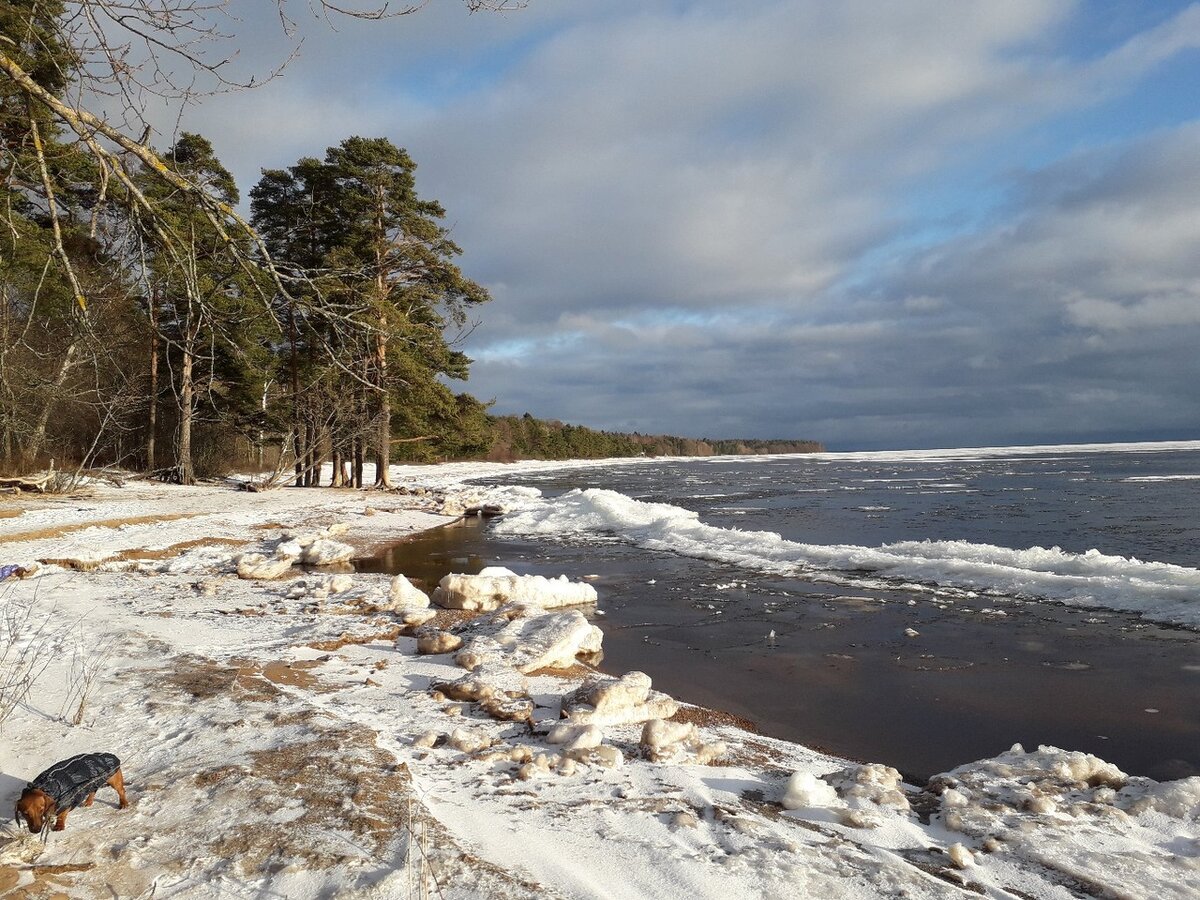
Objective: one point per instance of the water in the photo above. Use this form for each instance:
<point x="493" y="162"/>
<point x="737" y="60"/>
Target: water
<point x="1010" y="646"/>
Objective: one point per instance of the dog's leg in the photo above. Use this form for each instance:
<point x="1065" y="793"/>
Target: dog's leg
<point x="61" y="822"/>
<point x="90" y="797"/>
<point x="117" y="782"/>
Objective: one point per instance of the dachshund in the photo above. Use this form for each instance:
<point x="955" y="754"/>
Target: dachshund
<point x="62" y="787"/>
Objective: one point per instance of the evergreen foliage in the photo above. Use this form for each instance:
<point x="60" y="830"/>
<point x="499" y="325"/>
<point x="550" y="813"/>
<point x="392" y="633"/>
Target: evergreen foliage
<point x="526" y="437"/>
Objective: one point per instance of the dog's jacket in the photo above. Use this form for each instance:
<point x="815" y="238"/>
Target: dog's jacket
<point x="70" y="782"/>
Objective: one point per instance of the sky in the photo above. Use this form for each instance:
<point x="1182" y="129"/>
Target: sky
<point x="872" y="223"/>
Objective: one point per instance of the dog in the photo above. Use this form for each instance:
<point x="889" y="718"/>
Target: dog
<point x="66" y="784"/>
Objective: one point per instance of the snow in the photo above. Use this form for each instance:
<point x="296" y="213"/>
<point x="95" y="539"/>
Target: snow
<point x="285" y="738"/>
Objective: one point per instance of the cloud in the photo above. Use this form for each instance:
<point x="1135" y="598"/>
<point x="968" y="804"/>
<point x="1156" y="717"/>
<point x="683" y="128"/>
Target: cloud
<point x="784" y="218"/>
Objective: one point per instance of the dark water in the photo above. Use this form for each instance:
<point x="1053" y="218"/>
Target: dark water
<point x="839" y="672"/>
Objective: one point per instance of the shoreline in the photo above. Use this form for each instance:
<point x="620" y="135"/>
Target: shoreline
<point x="220" y="681"/>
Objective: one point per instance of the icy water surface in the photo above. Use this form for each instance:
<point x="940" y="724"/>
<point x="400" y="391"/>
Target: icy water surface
<point x="805" y="633"/>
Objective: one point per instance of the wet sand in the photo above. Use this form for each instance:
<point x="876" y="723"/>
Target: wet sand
<point x="841" y="674"/>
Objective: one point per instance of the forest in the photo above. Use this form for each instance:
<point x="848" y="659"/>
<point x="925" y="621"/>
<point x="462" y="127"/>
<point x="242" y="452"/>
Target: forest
<point x="146" y="325"/>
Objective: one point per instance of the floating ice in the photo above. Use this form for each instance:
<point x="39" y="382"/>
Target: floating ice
<point x="494" y="587"/>
<point x="1160" y="591"/>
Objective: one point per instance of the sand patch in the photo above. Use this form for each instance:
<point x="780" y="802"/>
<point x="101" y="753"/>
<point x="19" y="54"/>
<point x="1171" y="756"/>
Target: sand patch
<point x="140" y="554"/>
<point x="294" y="674"/>
<point x="176" y="549"/>
<point x="713" y="718"/>
<point x="332" y="798"/>
<point x="388" y="635"/>
<point x="40" y="534"/>
<point x="42" y="882"/>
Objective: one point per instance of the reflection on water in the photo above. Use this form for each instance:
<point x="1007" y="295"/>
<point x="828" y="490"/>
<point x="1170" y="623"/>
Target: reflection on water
<point x="428" y="555"/>
<point x="841" y="674"/>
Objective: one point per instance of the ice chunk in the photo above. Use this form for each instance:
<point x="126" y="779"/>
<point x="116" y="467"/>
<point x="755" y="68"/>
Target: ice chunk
<point x="259" y="566"/>
<point x="663" y="740"/>
<point x="530" y="642"/>
<point x="402" y="594"/>
<point x="960" y="856"/>
<point x="506" y="707"/>
<point x="806" y="790"/>
<point x="468" y="741"/>
<point x="872" y="783"/>
<point x="326" y="552"/>
<point x="338" y="584"/>
<point x="291" y="548"/>
<point x="469" y="687"/>
<point x="627" y="700"/>
<point x="586" y="737"/>
<point x="490" y="591"/>
<point x="426" y="739"/>
<point x="437" y="641"/>
<point x="1177" y="799"/>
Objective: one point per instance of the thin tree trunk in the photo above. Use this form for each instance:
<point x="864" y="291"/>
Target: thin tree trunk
<point x="38" y="437"/>
<point x="299" y="448"/>
<point x="358" y="462"/>
<point x="310" y="439"/>
<point x="383" y="451"/>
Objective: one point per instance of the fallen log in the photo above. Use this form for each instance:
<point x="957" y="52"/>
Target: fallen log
<point x="35" y="485"/>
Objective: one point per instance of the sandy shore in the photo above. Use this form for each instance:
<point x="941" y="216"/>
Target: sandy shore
<point x="272" y="738"/>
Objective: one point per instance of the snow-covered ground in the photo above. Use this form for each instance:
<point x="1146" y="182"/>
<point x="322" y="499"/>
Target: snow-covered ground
<point x="284" y="738"/>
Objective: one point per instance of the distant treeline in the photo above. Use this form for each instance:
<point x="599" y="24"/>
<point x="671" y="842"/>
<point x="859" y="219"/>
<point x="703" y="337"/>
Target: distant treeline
<point x="507" y="438"/>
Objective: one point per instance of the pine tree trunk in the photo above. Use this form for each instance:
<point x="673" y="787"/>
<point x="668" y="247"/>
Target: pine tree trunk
<point x="310" y="451"/>
<point x="187" y="473"/>
<point x="337" y="468"/>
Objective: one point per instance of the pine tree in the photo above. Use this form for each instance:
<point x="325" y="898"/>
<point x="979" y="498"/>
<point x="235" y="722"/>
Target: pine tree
<point x="380" y="275"/>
